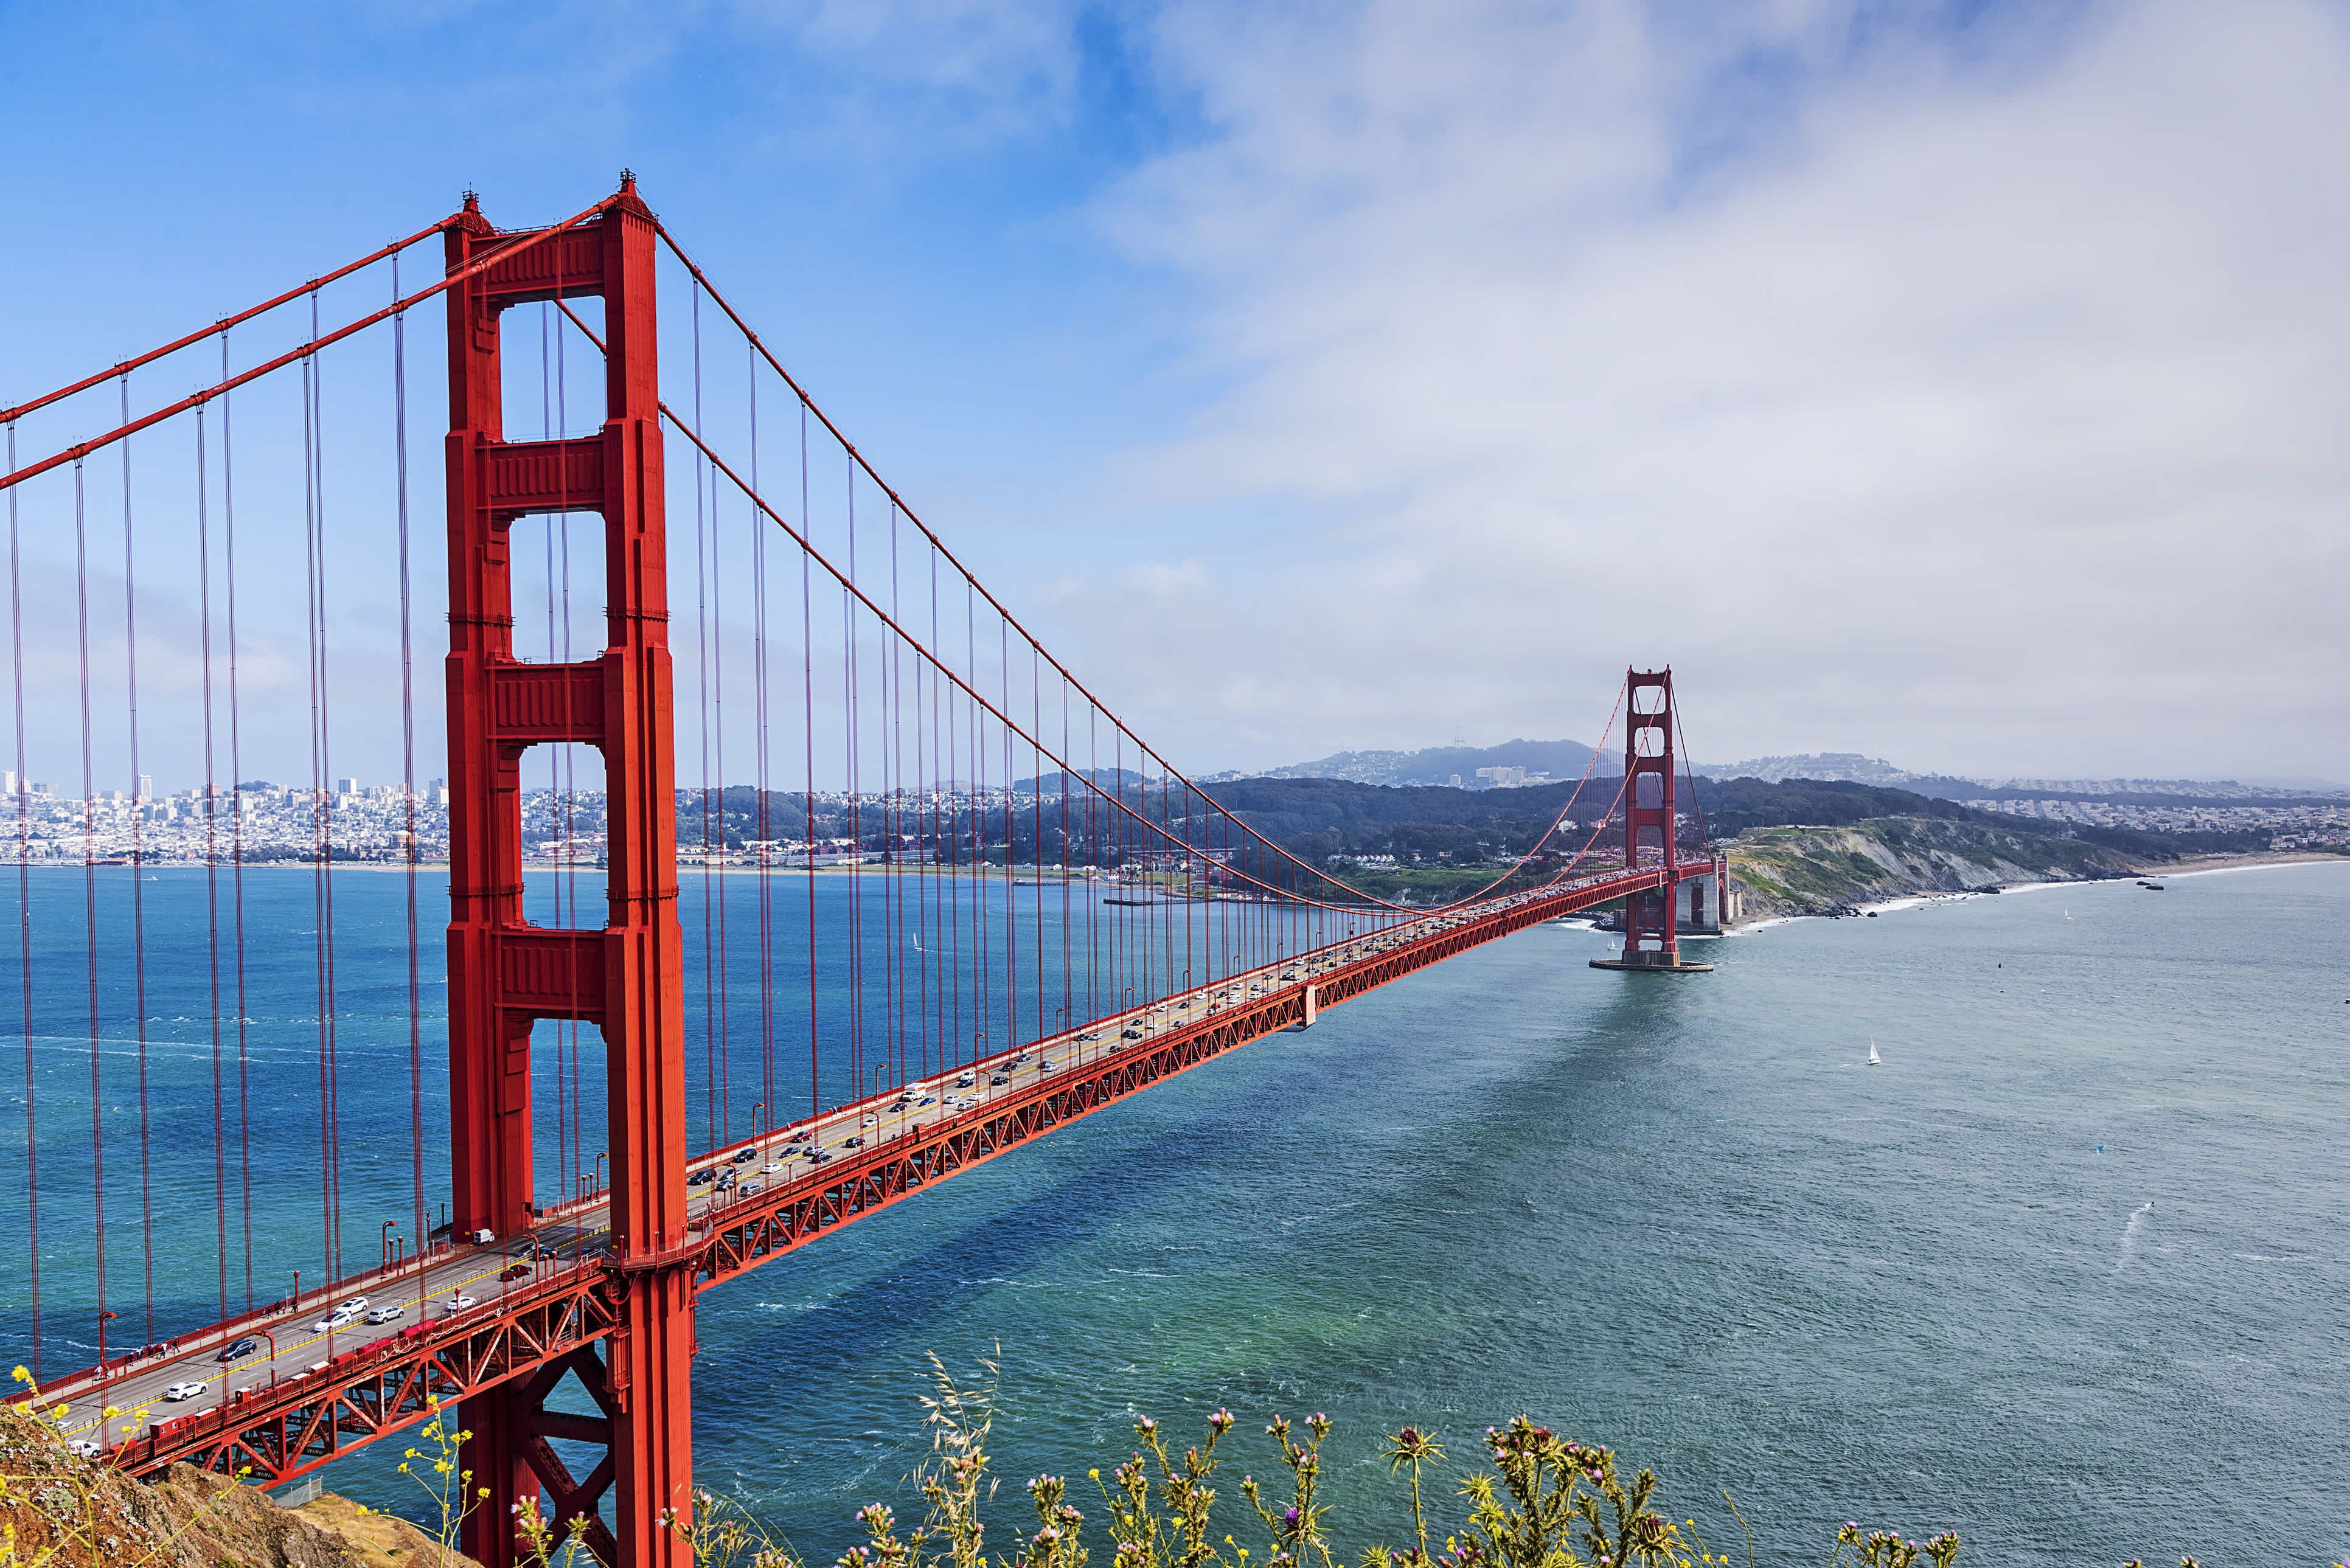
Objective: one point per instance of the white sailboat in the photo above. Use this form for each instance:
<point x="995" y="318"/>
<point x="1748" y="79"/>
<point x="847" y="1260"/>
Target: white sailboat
<point x="1873" y="1060"/>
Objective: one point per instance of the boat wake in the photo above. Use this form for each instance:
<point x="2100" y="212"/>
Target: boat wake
<point x="2138" y="1222"/>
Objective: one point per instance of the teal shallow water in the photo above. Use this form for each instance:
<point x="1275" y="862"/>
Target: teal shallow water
<point x="1680" y="1217"/>
<point x="1676" y="1215"/>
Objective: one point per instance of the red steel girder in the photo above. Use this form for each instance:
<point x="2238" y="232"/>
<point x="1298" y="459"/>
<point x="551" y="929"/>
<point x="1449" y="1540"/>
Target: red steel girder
<point x="278" y="1431"/>
<point x="765" y="1226"/>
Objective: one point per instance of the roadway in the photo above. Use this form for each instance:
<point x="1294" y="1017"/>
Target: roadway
<point x="467" y="1280"/>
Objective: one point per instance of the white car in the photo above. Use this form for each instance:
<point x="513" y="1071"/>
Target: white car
<point x="387" y="1313"/>
<point x="459" y="1301"/>
<point x="353" y="1307"/>
<point x="773" y="1166"/>
<point x="84" y="1448"/>
<point x="331" y="1322"/>
<point x="179" y="1391"/>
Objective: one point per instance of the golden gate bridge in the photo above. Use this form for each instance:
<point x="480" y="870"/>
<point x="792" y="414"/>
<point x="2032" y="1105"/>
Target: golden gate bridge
<point x="1034" y="915"/>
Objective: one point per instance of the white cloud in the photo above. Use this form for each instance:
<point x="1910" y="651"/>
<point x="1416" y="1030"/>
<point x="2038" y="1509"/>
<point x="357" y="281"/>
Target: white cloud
<point x="892" y="80"/>
<point x="1982" y="415"/>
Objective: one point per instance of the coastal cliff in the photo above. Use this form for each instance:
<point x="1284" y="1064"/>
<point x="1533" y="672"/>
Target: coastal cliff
<point x="71" y="1513"/>
<point x="1818" y="870"/>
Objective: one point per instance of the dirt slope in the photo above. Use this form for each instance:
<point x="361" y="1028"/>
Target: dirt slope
<point x="64" y="1512"/>
<point x="1814" y="870"/>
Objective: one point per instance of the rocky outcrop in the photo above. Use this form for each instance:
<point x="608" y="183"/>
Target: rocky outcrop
<point x="1823" y="870"/>
<point x="77" y="1513"/>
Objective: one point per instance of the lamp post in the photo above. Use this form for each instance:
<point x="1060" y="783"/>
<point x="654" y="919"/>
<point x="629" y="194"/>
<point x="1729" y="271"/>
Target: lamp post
<point x="755" y="1109"/>
<point x="103" y="1319"/>
<point x="601" y="1156"/>
<point x="388" y="1227"/>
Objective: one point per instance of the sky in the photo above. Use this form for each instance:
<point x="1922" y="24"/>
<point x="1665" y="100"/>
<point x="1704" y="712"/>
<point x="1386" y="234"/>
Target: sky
<point x="1960" y="384"/>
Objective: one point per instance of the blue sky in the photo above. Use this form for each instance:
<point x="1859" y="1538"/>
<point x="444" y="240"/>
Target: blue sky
<point x="1956" y="383"/>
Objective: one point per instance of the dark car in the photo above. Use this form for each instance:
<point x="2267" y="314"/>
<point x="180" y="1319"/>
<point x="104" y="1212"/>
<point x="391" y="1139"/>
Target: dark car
<point x="852" y="1143"/>
<point x="746" y="1156"/>
<point x="1130" y="1034"/>
<point x="701" y="1177"/>
<point x="515" y="1272"/>
<point x="1083" y="1034"/>
<point x="238" y="1351"/>
<point x="1000" y="1078"/>
<point x="725" y="1179"/>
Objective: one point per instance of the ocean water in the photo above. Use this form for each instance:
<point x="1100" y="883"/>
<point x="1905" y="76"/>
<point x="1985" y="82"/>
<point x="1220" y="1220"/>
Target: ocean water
<point x="2068" y="1273"/>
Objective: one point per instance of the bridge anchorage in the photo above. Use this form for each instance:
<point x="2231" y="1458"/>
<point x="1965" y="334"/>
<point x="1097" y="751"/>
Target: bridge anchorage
<point x="1016" y="911"/>
<point x="1654" y="915"/>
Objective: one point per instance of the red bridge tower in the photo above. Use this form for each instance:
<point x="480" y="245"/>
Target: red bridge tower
<point x="504" y="973"/>
<point x="1650" y="916"/>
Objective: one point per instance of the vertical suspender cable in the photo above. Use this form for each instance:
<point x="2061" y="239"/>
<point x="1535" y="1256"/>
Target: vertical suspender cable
<point x="408" y="771"/>
<point x="848" y="823"/>
<point x="762" y="777"/>
<point x="318" y="828"/>
<point x="571" y="873"/>
<point x="236" y="832"/>
<point x="951" y="917"/>
<point x="327" y="766"/>
<point x="717" y="766"/>
<point x="1012" y="850"/>
<point x="943" y="770"/>
<point x="853" y="817"/>
<point x="89" y="887"/>
<point x="211" y="867"/>
<point x="893" y="819"/>
<point x="807" y="709"/>
<point x="137" y="887"/>
<point x="978" y="824"/>
<point x="567" y="879"/>
<point x="24" y="803"/>
<point x="1094" y="861"/>
<point x="548" y="422"/>
<point x="1069" y="996"/>
<point x="701" y="698"/>
<point x="1036" y="819"/>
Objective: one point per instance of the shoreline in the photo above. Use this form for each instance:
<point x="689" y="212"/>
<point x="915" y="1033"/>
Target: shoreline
<point x="2198" y="866"/>
<point x="2204" y="864"/>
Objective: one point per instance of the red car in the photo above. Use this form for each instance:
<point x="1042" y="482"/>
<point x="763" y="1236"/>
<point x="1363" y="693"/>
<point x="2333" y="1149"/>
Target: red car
<point x="516" y="1271"/>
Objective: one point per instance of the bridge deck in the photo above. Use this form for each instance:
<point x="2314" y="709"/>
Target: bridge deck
<point x="308" y="1394"/>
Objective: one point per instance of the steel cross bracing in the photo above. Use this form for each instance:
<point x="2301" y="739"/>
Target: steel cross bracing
<point x="542" y="1327"/>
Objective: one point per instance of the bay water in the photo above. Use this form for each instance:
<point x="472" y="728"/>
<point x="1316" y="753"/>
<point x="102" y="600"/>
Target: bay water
<point x="2066" y="1273"/>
